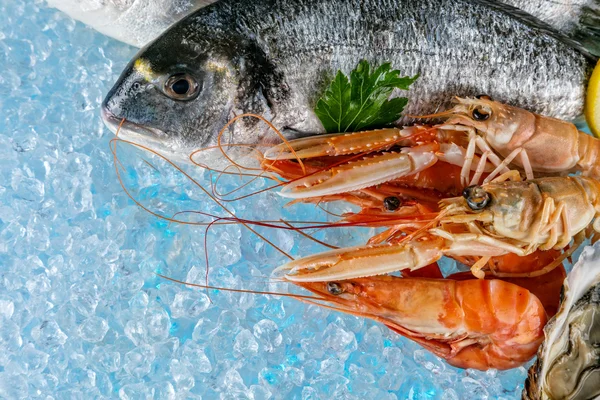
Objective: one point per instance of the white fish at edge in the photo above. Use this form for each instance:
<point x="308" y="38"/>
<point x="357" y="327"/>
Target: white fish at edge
<point x="135" y="22"/>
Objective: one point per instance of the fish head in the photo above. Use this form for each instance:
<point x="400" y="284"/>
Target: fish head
<point x="501" y="125"/>
<point x="178" y="93"/>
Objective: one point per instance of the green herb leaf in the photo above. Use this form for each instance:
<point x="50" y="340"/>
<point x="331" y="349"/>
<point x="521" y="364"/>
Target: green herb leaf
<point x="361" y="102"/>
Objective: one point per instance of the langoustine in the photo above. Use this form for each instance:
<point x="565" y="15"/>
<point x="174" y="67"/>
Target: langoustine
<point x="480" y="135"/>
<point x="495" y="219"/>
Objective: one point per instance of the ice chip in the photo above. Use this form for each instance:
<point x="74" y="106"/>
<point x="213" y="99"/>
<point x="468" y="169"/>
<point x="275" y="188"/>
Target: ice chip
<point x="193" y="355"/>
<point x="245" y="345"/>
<point x="104" y="385"/>
<point x="267" y="333"/>
<point x="13" y="386"/>
<point x="474" y="387"/>
<point x="93" y="329"/>
<point x="138" y="362"/>
<point x="189" y="304"/>
<point x="184" y="379"/>
<point x="9" y="236"/>
<point x="167" y="348"/>
<point x="38" y="234"/>
<point x="32" y="360"/>
<point x="339" y="341"/>
<point x="450" y="394"/>
<point x="260" y="392"/>
<point x="233" y="382"/>
<point x="429" y="361"/>
<point x="228" y="322"/>
<point x="394" y="356"/>
<point x="310" y="393"/>
<point x="137" y="391"/>
<point x="158" y="323"/>
<point x="27" y="188"/>
<point x="360" y="376"/>
<point x="275" y="380"/>
<point x="85" y="297"/>
<point x="136" y="331"/>
<point x="294" y="375"/>
<point x="336" y="386"/>
<point x="82" y="377"/>
<point x="373" y="340"/>
<point x="49" y="335"/>
<point x="7" y="308"/>
<point x="38" y="284"/>
<point x="204" y="329"/>
<point x="43" y="382"/>
<point x="274" y="309"/>
<point x="139" y="302"/>
<point x="332" y="366"/>
<point x="106" y="359"/>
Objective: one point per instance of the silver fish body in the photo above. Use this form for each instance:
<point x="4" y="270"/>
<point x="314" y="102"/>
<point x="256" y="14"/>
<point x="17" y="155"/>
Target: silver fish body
<point x="137" y="22"/>
<point x="275" y="58"/>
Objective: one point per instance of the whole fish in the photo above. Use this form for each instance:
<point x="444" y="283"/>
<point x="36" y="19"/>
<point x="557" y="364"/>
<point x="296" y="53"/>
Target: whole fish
<point x="135" y="22"/>
<point x="274" y="58"/>
<point x="578" y="19"/>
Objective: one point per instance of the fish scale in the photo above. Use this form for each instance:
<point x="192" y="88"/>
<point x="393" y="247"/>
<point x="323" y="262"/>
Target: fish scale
<point x="280" y="56"/>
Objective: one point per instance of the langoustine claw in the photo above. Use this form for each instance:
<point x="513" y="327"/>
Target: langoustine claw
<point x="383" y="155"/>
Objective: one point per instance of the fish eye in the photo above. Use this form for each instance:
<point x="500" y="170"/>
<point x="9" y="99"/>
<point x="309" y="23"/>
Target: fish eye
<point x="480" y="114"/>
<point x="477" y="198"/>
<point x="334" y="288"/>
<point x="391" y="203"/>
<point x="181" y="86"/>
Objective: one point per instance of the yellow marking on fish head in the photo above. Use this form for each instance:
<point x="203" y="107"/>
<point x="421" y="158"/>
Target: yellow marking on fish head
<point x="218" y="66"/>
<point x="143" y="67"/>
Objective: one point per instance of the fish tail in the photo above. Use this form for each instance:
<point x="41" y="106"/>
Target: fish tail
<point x="588" y="31"/>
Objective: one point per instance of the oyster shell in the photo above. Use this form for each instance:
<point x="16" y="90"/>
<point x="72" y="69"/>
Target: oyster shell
<point x="568" y="362"/>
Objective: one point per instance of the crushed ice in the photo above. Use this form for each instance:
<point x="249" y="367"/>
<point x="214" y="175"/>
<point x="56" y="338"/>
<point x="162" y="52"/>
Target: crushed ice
<point x="82" y="313"/>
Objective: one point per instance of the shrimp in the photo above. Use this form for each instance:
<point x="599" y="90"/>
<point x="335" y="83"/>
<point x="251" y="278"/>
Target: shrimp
<point x="472" y="323"/>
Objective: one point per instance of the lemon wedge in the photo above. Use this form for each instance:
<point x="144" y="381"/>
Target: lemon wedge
<point x="592" y="102"/>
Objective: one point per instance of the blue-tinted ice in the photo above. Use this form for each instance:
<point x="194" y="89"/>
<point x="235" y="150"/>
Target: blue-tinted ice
<point x="82" y="313"/>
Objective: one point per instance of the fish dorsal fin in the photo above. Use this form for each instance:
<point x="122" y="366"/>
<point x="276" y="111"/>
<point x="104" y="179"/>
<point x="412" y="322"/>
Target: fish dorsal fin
<point x="537" y="24"/>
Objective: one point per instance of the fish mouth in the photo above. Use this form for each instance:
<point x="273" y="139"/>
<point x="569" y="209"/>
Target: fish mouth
<point x="134" y="132"/>
<point x="146" y="138"/>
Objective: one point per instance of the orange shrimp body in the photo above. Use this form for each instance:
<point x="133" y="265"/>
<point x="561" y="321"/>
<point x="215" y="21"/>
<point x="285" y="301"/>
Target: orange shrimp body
<point x="473" y="323"/>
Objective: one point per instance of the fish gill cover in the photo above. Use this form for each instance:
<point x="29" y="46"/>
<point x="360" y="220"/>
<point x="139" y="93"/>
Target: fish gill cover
<point x="82" y="313"/>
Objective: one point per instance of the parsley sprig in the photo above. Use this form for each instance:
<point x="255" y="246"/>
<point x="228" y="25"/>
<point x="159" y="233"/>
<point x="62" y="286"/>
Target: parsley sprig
<point x="361" y="102"/>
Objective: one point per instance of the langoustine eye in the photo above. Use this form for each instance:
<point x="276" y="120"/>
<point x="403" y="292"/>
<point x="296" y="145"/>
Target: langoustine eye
<point x="334" y="288"/>
<point x="481" y="114"/>
<point x="477" y="198"/>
